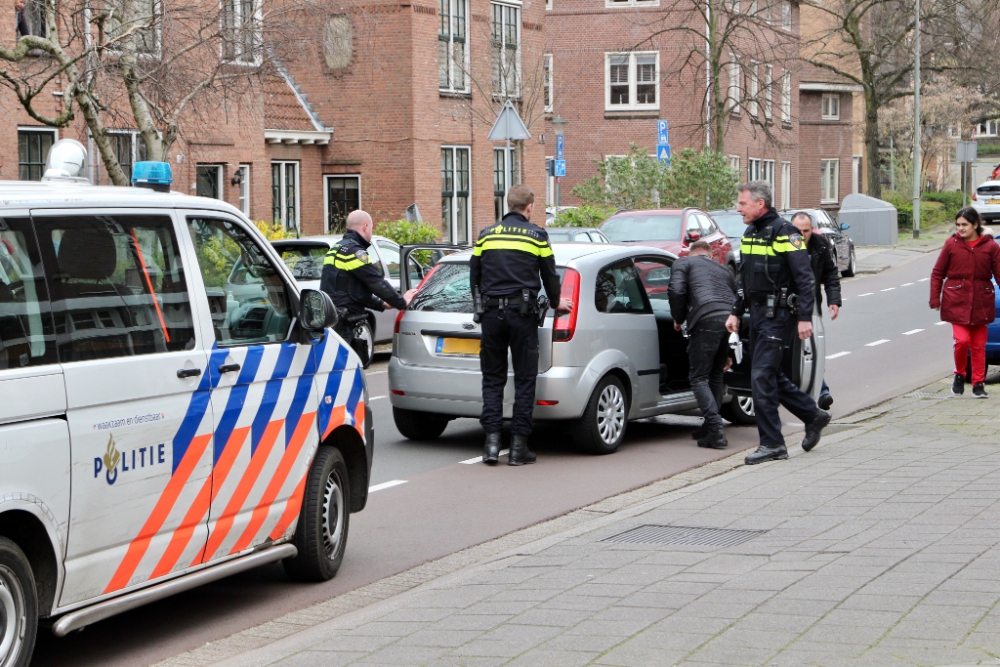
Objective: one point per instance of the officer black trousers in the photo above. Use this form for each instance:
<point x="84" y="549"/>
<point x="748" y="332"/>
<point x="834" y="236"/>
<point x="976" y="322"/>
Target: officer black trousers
<point x="708" y="350"/>
<point x="770" y="386"/>
<point x="503" y="330"/>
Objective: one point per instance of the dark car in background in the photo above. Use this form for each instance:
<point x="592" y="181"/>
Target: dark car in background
<point x="673" y="230"/>
<point x="842" y="244"/>
<point x="576" y="235"/>
<point x="731" y="223"/>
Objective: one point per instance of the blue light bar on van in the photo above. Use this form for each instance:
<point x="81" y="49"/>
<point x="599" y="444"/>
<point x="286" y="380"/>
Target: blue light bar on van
<point x="154" y="175"/>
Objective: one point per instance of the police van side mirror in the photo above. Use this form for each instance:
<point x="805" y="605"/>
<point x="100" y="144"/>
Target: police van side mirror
<point x="316" y="310"/>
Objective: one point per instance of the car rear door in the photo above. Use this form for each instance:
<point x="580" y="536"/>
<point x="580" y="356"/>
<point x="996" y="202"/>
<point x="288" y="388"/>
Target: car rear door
<point x="803" y="361"/>
<point x="388" y="253"/>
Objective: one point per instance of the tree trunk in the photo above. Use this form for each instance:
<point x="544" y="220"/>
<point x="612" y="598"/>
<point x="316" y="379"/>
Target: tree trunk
<point x="872" y="146"/>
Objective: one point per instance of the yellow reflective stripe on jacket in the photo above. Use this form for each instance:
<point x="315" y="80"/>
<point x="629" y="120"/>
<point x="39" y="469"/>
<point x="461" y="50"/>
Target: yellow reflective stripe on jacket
<point x="343" y="261"/>
<point x="511" y="237"/>
<point x="757" y="246"/>
<point x="508" y="243"/>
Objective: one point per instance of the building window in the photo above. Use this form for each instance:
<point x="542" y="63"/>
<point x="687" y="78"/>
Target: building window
<point x="753" y="8"/>
<point x="987" y="129"/>
<point x="754" y="87"/>
<point x="786" y="16"/>
<point x="343" y="195"/>
<point x="130" y="148"/>
<point x="547" y="81"/>
<point x="144" y="24"/>
<point x="735" y="94"/>
<point x="506" y="172"/>
<point x="456" y="221"/>
<point x="550" y="182"/>
<point x="548" y="4"/>
<point x="831" y="106"/>
<point x="452" y="52"/>
<point x="734" y="163"/>
<point x="631" y="3"/>
<point x="243" y="173"/>
<point x="31" y="19"/>
<point x="633" y="80"/>
<point x="32" y="152"/>
<point x="829" y="181"/>
<point x="506" y="39"/>
<point x="767" y="173"/>
<point x="241" y="31"/>
<point x="285" y="194"/>
<point x="734" y="6"/>
<point x="786" y="185"/>
<point x="856" y="174"/>
<point x="768" y="81"/>
<point x="786" y="97"/>
<point x="753" y="169"/>
<point x="209" y="181"/>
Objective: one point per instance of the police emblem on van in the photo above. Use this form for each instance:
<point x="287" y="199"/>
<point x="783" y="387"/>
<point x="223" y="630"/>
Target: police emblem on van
<point x="113" y="460"/>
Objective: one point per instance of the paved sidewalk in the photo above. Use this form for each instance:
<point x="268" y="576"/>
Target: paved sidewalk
<point x="880" y="547"/>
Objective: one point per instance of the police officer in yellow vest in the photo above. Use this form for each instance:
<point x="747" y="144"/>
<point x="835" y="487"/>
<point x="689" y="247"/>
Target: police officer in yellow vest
<point x="354" y="283"/>
<point x="776" y="282"/>
<point x="510" y="263"/>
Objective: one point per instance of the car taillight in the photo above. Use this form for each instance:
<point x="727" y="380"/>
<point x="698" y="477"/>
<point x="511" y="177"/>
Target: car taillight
<point x="564" y="326"/>
<point x="399" y="315"/>
<point x="973" y="196"/>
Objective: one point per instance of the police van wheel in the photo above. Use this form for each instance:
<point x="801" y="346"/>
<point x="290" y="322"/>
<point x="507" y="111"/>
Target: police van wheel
<point x="418" y="425"/>
<point x="739" y="411"/>
<point x="602" y="427"/>
<point x="18" y="606"/>
<point x="321" y="535"/>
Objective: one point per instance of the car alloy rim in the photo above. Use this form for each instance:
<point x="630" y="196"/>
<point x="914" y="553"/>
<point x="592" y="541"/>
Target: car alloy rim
<point x="333" y="510"/>
<point x="12" y="619"/>
<point x="610" y="414"/>
<point x="368" y="338"/>
<point x="746" y="404"/>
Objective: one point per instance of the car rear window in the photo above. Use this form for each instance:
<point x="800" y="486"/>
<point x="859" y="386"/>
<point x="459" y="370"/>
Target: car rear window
<point x="561" y="237"/>
<point x="731" y="223"/>
<point x="305" y="260"/>
<point x="446" y="291"/>
<point x="992" y="190"/>
<point x="624" y="228"/>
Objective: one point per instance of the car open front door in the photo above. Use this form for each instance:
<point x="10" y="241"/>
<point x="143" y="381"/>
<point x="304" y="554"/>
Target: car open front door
<point x="418" y="260"/>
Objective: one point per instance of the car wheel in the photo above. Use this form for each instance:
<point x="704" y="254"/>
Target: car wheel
<point x="418" y="425"/>
<point x="321" y="535"/>
<point x="363" y="331"/>
<point x="852" y="266"/>
<point x="602" y="427"/>
<point x="736" y="271"/>
<point x="739" y="410"/>
<point x="18" y="606"/>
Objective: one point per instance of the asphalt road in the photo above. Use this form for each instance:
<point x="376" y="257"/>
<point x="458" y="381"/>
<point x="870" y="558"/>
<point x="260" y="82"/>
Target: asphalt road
<point x="426" y="503"/>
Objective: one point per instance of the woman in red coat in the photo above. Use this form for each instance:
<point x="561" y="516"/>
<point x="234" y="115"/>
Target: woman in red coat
<point x="962" y="291"/>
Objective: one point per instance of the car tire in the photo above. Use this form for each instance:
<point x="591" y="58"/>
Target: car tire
<point x="18" y="606"/>
<point x="367" y="334"/>
<point x="418" y="425"/>
<point x="735" y="270"/>
<point x="321" y="534"/>
<point x="852" y="266"/>
<point x="739" y="411"/>
<point x="602" y="427"/>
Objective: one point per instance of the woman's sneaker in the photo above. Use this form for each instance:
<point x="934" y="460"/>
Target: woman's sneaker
<point x="979" y="391"/>
<point x="958" y="386"/>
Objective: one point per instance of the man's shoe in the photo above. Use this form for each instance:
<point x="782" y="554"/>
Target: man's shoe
<point x="766" y="454"/>
<point x="491" y="451"/>
<point x="715" y="439"/>
<point x="814" y="429"/>
<point x="700" y="433"/>
<point x="825" y="401"/>
<point x="958" y="386"/>
<point x="979" y="391"/>
<point x="519" y="453"/>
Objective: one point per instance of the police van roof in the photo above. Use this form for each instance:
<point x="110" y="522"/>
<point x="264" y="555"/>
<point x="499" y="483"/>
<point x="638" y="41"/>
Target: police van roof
<point x="67" y="194"/>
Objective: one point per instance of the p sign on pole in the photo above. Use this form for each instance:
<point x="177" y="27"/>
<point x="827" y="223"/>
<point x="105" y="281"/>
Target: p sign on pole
<point x="663" y="153"/>
<point x="662" y="132"/>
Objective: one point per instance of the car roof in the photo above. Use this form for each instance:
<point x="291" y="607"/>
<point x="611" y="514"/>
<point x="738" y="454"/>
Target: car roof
<point x="654" y="211"/>
<point x="70" y="194"/>
<point x="327" y="240"/>
<point x="988" y="183"/>
<point x="565" y="253"/>
<point x="567" y="230"/>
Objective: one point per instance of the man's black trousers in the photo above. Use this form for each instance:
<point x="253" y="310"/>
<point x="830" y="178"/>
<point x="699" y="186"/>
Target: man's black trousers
<point x="707" y="352"/>
<point x="504" y="329"/>
<point x="770" y="386"/>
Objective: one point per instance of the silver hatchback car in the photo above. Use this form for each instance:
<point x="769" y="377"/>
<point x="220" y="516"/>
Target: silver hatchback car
<point x="614" y="359"/>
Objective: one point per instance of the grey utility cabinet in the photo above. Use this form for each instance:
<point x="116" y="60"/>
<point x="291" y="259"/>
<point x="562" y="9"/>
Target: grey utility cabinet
<point x="872" y="221"/>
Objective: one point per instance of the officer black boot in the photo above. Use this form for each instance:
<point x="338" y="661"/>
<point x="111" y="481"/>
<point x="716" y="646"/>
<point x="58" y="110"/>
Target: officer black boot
<point x="765" y="453"/>
<point x="491" y="451"/>
<point x="814" y="429"/>
<point x="519" y="453"/>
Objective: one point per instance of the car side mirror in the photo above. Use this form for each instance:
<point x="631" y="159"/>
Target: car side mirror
<point x="316" y="310"/>
<point x="844" y="226"/>
<point x="692" y="237"/>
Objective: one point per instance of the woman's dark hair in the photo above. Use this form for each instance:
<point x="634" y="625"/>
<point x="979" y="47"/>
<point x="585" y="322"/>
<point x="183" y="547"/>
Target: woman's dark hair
<point x="971" y="215"/>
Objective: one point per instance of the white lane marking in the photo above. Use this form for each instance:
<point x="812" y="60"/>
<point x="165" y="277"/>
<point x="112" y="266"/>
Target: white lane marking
<point x="941" y="324"/>
<point x="923" y="280"/>
<point x="479" y="459"/>
<point x="878" y="342"/>
<point x="866" y="294"/>
<point x="888" y="289"/>
<point x="838" y="355"/>
<point x="906" y="284"/>
<point x="375" y="398"/>
<point x="386" y="485"/>
<point x="911" y="332"/>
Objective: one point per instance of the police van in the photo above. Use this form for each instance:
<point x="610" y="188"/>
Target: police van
<point x="173" y="409"/>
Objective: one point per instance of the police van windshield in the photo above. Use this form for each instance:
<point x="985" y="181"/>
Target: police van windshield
<point x="305" y="260"/>
<point x="623" y="228"/>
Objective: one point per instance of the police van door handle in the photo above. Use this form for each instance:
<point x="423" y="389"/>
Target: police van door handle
<point x="229" y="368"/>
<point x="188" y="373"/>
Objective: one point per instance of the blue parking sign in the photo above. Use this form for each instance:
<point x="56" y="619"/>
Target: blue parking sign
<point x="559" y="147"/>
<point x="559" y="168"/>
<point x="662" y="133"/>
<point x="663" y="153"/>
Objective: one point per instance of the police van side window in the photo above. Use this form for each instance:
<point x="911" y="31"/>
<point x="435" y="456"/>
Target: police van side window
<point x="26" y="336"/>
<point x="618" y="289"/>
<point x="118" y="286"/>
<point x="246" y="294"/>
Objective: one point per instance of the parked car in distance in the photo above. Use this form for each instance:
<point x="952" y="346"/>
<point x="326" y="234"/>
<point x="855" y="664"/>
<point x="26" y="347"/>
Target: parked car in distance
<point x="576" y="235"/>
<point x="673" y="230"/>
<point x="731" y="223"/>
<point x="614" y="359"/>
<point x="986" y="200"/>
<point x="552" y="211"/>
<point x="304" y="257"/>
<point x="843" y="246"/>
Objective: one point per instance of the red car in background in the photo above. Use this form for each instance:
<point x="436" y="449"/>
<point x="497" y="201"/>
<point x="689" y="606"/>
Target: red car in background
<point x="673" y="230"/>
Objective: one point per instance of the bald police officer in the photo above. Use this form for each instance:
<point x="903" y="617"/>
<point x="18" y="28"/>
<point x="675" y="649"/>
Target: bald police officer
<point x="510" y="263"/>
<point x="776" y="281"/>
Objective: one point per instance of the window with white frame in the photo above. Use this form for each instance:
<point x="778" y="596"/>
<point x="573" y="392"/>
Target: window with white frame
<point x="767" y="12"/>
<point x="243" y="182"/>
<point x="754" y="87"/>
<point x="829" y="181"/>
<point x="752" y="10"/>
<point x="768" y="81"/>
<point x="140" y="19"/>
<point x="786" y="16"/>
<point x="786" y="185"/>
<point x="30" y="19"/>
<point x="735" y="92"/>
<point x="241" y="31"/>
<point x="547" y="81"/>
<point x="734" y="6"/>
<point x="631" y="3"/>
<point x="632" y="80"/>
<point x="786" y="97"/>
<point x="285" y="194"/>
<point x="209" y="181"/>
<point x="831" y="106"/>
<point x="129" y="148"/>
<point x="734" y="163"/>
<point x="753" y="169"/>
<point x="506" y="172"/>
<point x="32" y="152"/>
<point x="767" y="172"/>
<point x="343" y="195"/>
<point x="456" y="219"/>
<point x="506" y="41"/>
<point x="550" y="182"/>
<point x="987" y="128"/>
<point x="548" y="4"/>
<point x="453" y="56"/>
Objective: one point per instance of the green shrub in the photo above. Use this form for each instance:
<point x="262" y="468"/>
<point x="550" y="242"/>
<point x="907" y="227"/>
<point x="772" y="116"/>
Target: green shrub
<point x="273" y="231"/>
<point x="585" y="216"/>
<point x="932" y="213"/>
<point x="404" y="232"/>
<point x="988" y="150"/>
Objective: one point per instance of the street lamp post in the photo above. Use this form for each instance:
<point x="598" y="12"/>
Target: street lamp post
<point x="916" y="127"/>
<point x="559" y="125"/>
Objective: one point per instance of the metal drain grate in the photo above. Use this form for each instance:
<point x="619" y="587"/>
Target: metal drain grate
<point x="713" y="537"/>
<point x="925" y="394"/>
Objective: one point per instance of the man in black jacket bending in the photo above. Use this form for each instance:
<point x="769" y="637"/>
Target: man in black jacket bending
<point x="701" y="294"/>
<point x="824" y="265"/>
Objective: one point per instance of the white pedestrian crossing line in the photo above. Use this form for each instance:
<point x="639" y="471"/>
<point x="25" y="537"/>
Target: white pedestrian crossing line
<point x="911" y="332"/>
<point x="923" y="280"/>
<point x="866" y="294"/>
<point x="906" y="284"/>
<point x="888" y="289"/>
<point x="479" y="459"/>
<point x="386" y="485"/>
<point x="940" y="324"/>
<point x="877" y="342"/>
<point x="838" y="355"/>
